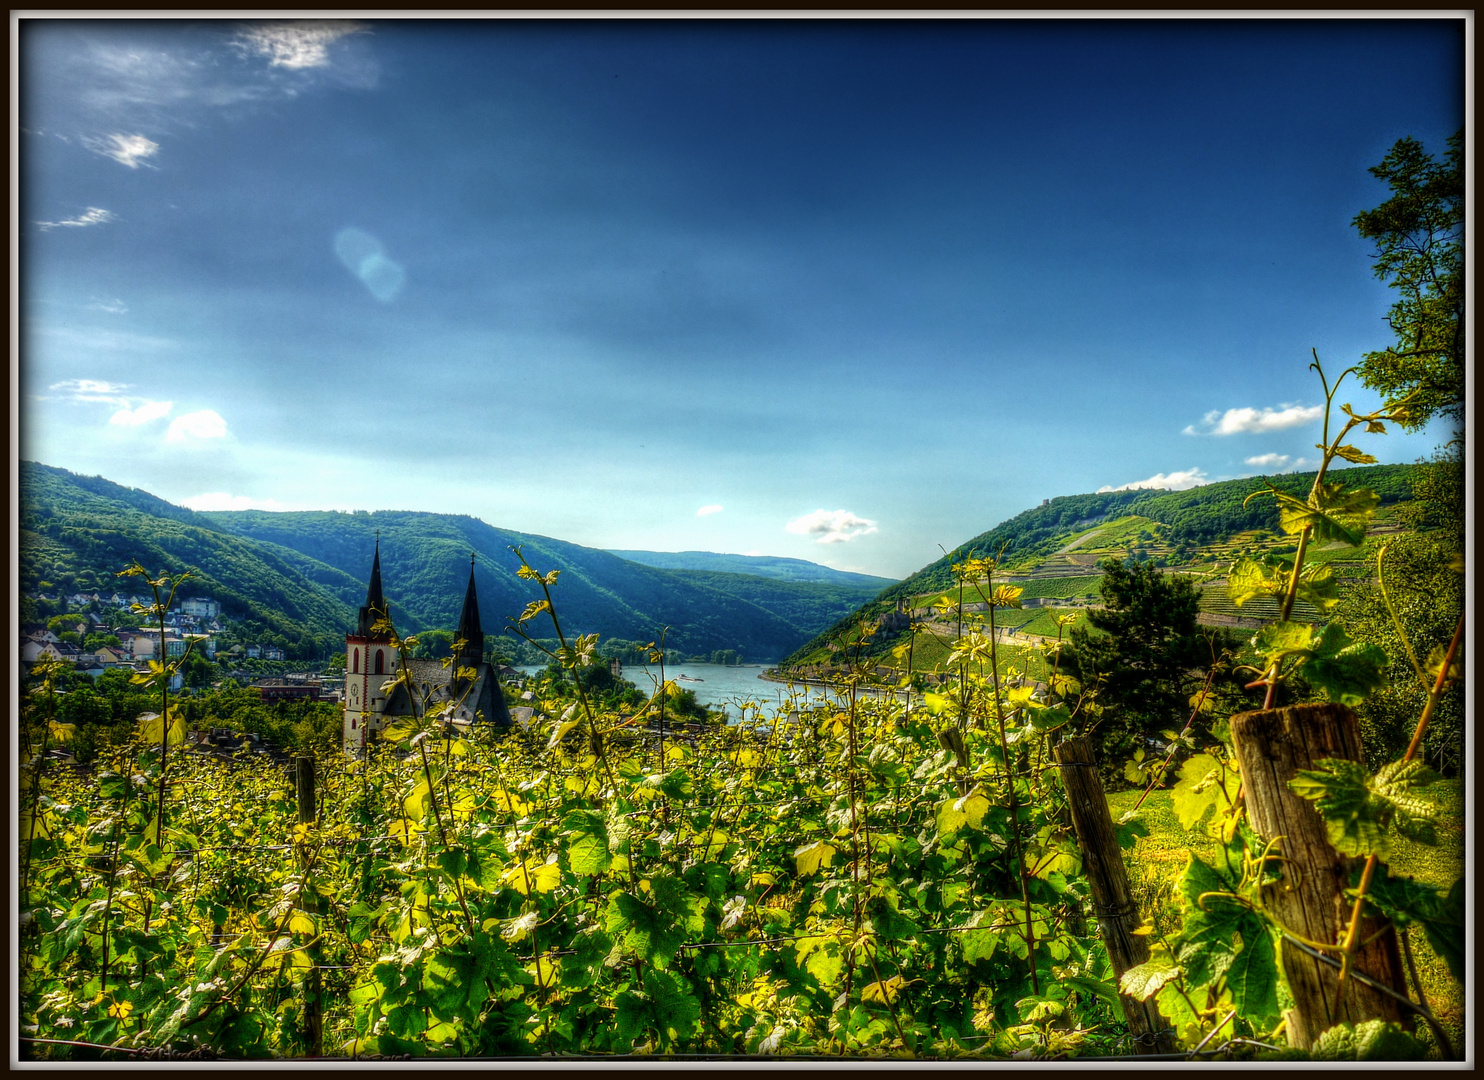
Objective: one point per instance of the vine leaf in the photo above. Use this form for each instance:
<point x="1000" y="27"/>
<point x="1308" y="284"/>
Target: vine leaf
<point x="1359" y="810"/>
<point x="1225" y="937"/>
<point x="1346" y="671"/>
<point x="1144" y="981"/>
<point x="587" y="842"/>
<point x="1406" y="900"/>
<point x="1333" y="511"/>
<point x="1202" y="784"/>
<point x="810" y="857"/>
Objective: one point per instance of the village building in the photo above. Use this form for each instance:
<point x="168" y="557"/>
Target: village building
<point x="371" y="663"/>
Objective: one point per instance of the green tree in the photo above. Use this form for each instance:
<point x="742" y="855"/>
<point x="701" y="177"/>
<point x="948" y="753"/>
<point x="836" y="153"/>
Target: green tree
<point x="1419" y="238"/>
<point x="84" y="706"/>
<point x="1145" y="653"/>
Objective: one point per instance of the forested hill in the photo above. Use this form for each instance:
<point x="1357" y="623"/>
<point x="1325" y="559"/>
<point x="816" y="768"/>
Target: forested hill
<point x="425" y="566"/>
<point x="1202" y="515"/>
<point x="77" y="532"/>
<point x="300" y="576"/>
<point x="770" y="566"/>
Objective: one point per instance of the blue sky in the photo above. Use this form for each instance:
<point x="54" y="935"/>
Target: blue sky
<point x="842" y="291"/>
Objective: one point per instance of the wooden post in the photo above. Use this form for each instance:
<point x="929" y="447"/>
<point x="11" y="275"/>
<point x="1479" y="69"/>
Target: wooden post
<point x="314" y="1027"/>
<point x="1272" y="745"/>
<point x="1113" y="900"/>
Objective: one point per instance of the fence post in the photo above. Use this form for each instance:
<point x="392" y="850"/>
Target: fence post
<point x="1272" y="745"/>
<point x="314" y="1026"/>
<point x="1113" y="900"/>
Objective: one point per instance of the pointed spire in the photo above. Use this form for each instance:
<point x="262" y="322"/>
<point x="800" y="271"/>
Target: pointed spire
<point x="374" y="608"/>
<point x="469" y="630"/>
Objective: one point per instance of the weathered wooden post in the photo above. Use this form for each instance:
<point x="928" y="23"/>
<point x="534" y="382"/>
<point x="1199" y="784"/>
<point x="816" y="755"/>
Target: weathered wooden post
<point x="1117" y="912"/>
<point x="1309" y="900"/>
<point x="314" y="1028"/>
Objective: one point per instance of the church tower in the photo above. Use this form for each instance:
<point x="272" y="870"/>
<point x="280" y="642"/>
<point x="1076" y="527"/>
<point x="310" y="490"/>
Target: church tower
<point x="469" y="632"/>
<point x="370" y="661"/>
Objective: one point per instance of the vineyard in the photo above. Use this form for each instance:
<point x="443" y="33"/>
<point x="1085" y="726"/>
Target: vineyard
<point x="842" y="885"/>
<point x="857" y="875"/>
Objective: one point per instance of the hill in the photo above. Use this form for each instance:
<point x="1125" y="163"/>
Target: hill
<point x="769" y="566"/>
<point x="301" y="575"/>
<point x="1064" y="536"/>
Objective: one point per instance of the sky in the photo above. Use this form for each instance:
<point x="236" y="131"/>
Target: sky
<point x="843" y="291"/>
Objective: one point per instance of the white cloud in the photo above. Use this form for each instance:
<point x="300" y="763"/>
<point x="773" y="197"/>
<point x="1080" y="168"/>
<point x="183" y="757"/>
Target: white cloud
<point x="1253" y="421"/>
<point x="831" y="526"/>
<point x="113" y="307"/>
<point x="1281" y="463"/>
<point x="714" y="508"/>
<point x="141" y="414"/>
<point x="89" y="389"/>
<point x="220" y="500"/>
<point x="1175" y="481"/>
<point x="93" y="215"/>
<point x="296" y="44"/>
<point x="128" y="150"/>
<point x="205" y="424"/>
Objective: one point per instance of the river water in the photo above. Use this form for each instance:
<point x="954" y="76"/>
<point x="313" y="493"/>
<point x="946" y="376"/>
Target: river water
<point x="719" y="686"/>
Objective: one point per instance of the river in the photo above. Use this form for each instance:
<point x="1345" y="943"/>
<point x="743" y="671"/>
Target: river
<point x="718" y="686"/>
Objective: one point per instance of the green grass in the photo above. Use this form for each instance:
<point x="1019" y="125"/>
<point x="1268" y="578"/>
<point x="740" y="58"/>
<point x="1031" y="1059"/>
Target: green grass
<point x="1157" y="861"/>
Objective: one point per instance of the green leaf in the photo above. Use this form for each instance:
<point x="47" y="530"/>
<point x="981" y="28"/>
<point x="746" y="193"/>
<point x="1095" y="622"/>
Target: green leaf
<point x="1248" y="579"/>
<point x="1202" y="785"/>
<point x="1407" y="901"/>
<point x="810" y="857"/>
<point x="1351" y="454"/>
<point x="1144" y="981"/>
<point x="675" y="1006"/>
<point x="1353" y="819"/>
<point x="1346" y="672"/>
<point x="1319" y="586"/>
<point x="1223" y="936"/>
<point x="1334" y="512"/>
<point x="587" y="842"/>
<point x="1359" y="810"/>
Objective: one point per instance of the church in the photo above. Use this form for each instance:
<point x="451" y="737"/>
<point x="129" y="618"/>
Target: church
<point x="371" y="662"/>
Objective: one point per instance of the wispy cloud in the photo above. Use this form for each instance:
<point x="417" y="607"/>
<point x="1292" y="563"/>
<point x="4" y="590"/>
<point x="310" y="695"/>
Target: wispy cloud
<point x="130" y="150"/>
<point x="220" y="500"/>
<point x="1280" y="463"/>
<point x="113" y="307"/>
<point x="90" y="390"/>
<point x="93" y="215"/>
<point x="1254" y="421"/>
<point x="1175" y="481"/>
<point x="296" y="45"/>
<point x="714" y="508"/>
<point x="205" y="424"/>
<point x="1268" y="461"/>
<point x="831" y="526"/>
<point x="142" y="413"/>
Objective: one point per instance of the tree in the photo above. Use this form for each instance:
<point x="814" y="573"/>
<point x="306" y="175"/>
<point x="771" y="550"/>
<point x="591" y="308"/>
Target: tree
<point x="1419" y="237"/>
<point x="1149" y="656"/>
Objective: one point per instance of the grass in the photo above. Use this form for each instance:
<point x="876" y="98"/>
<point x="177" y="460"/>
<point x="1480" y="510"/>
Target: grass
<point x="1157" y="861"/>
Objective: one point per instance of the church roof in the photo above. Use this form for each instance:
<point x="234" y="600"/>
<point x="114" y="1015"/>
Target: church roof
<point x="374" y="609"/>
<point x="469" y="630"/>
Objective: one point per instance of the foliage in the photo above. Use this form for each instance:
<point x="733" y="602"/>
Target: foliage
<point x="1419" y="238"/>
<point x="298" y="576"/>
<point x="839" y="884"/>
<point x="1202" y="515"/>
<point x="1147" y="656"/>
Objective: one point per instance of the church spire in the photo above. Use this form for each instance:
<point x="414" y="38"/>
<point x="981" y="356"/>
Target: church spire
<point x="469" y="630"/>
<point x="375" y="607"/>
